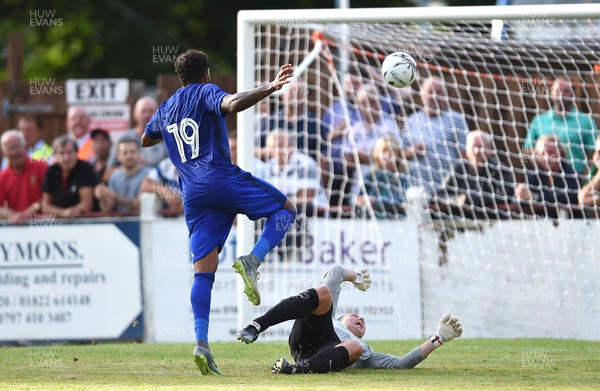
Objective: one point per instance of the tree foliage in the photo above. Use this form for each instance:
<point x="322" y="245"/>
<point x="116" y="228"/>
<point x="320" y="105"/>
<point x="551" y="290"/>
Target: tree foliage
<point x="118" y="38"/>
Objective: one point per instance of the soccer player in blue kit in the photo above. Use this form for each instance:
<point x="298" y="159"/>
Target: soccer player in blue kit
<point x="192" y="125"/>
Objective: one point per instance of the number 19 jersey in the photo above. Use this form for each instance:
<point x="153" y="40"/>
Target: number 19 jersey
<point x="193" y="129"/>
<point x="213" y="189"/>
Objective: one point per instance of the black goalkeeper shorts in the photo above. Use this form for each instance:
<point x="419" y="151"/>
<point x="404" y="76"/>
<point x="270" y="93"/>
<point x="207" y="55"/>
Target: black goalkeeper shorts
<point x="312" y="334"/>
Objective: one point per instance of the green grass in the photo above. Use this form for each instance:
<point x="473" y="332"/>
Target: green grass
<point x="462" y="364"/>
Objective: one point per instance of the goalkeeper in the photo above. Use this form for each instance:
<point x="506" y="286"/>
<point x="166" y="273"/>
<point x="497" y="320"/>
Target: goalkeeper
<point x="320" y="343"/>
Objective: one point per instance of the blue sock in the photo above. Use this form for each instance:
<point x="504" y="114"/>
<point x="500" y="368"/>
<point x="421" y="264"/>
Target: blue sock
<point x="275" y="229"/>
<point x="200" y="298"/>
<point x="261" y="248"/>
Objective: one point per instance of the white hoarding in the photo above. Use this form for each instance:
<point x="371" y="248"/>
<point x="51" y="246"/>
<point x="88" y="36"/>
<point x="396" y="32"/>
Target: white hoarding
<point x="63" y="282"/>
<point x="389" y="250"/>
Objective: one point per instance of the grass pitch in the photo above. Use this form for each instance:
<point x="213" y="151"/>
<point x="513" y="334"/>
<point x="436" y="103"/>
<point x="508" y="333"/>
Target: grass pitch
<point x="461" y="364"/>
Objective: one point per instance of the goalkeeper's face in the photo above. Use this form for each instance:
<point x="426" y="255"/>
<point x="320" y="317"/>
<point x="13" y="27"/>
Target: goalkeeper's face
<point x="355" y="323"/>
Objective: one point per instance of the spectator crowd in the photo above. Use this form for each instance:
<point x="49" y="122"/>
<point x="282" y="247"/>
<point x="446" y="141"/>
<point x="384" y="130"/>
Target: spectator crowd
<point x="356" y="158"/>
<point x="84" y="173"/>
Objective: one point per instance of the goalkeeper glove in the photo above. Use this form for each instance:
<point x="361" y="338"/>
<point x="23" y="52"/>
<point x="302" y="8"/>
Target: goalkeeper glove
<point x="449" y="327"/>
<point x="362" y="280"/>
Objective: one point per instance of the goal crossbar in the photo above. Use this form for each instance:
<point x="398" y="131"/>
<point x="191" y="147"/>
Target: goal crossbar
<point x="419" y="14"/>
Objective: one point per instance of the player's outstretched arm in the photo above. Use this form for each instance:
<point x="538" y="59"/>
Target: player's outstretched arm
<point x="242" y="100"/>
<point x="449" y="327"/>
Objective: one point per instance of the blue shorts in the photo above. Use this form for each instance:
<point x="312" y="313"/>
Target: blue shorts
<point x="210" y="217"/>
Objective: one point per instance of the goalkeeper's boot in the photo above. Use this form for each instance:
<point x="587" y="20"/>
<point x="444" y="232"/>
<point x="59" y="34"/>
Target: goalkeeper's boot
<point x="247" y="267"/>
<point x="282" y="366"/>
<point x="249" y="333"/>
<point x="205" y="361"/>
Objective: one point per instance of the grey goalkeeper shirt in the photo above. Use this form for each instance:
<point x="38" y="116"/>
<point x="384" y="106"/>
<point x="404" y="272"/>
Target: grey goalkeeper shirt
<point x="369" y="358"/>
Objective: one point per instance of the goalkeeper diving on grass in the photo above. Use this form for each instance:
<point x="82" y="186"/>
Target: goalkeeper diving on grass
<point x="320" y="343"/>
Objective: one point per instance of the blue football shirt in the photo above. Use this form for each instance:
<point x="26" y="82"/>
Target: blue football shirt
<point x="193" y="129"/>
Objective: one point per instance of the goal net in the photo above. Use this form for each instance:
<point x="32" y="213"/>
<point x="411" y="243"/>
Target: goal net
<point x="448" y="190"/>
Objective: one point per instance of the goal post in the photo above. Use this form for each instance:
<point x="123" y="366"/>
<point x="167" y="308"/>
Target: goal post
<point x="497" y="66"/>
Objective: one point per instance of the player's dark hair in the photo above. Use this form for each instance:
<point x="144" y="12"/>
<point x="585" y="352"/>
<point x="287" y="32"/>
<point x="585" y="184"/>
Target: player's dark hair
<point x="191" y="66"/>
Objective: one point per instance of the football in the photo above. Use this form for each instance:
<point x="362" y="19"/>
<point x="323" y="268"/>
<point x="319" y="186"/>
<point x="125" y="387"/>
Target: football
<point x="399" y="69"/>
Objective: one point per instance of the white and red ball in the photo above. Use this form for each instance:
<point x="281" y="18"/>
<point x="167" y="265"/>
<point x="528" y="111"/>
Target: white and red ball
<point x="399" y="69"/>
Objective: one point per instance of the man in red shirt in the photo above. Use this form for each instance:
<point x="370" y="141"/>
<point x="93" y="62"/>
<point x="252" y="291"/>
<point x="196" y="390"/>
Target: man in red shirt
<point x="21" y="182"/>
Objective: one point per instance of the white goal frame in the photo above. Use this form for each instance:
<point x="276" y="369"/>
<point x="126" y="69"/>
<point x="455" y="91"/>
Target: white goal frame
<point x="247" y="20"/>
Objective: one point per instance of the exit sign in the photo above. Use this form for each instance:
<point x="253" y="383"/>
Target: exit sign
<point x="82" y="91"/>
